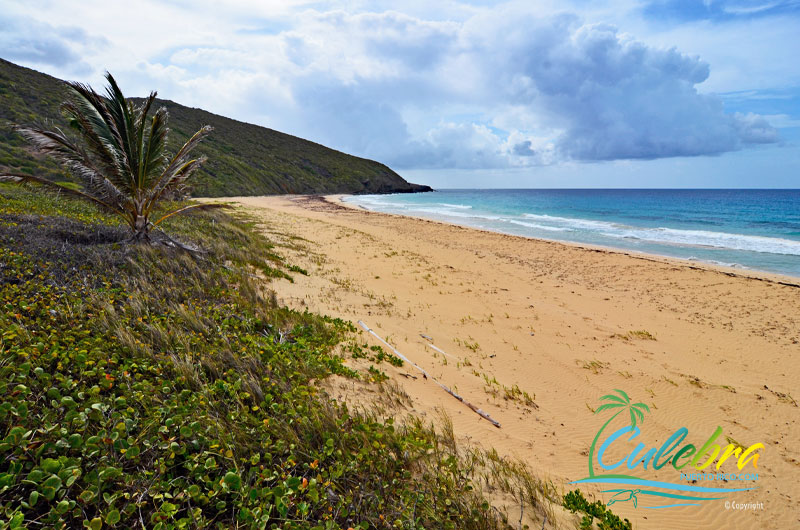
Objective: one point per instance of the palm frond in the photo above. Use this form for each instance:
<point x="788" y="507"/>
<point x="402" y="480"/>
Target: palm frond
<point x="641" y="406"/>
<point x="609" y="406"/>
<point x="122" y="116"/>
<point x="633" y="418"/>
<point x="178" y="162"/>
<point x="612" y="397"/>
<point x="20" y="178"/>
<point x="179" y="177"/>
<point x="98" y="140"/>
<point x="140" y="116"/>
<point x="76" y="160"/>
<point x="155" y="142"/>
<point x="623" y="394"/>
<point x="183" y="153"/>
<point x="86" y="104"/>
<point x="143" y="131"/>
<point x="639" y="414"/>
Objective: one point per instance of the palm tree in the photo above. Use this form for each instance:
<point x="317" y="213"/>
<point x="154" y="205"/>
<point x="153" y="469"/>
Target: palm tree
<point x="622" y="402"/>
<point x="120" y="158"/>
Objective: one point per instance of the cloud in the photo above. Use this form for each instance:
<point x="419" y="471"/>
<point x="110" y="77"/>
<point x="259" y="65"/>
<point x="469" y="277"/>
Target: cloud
<point x="524" y="148"/>
<point x="27" y="40"/>
<point x="616" y="98"/>
<point x="491" y="88"/>
<point x="587" y="92"/>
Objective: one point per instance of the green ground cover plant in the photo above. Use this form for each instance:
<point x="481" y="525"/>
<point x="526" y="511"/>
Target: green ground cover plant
<point x="575" y="502"/>
<point x="148" y="387"/>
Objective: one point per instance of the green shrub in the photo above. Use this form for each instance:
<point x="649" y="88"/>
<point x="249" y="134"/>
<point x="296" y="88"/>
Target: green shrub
<point x="575" y="502"/>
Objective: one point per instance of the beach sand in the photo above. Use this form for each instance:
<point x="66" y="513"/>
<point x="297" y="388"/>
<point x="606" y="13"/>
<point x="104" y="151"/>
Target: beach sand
<point x="701" y="346"/>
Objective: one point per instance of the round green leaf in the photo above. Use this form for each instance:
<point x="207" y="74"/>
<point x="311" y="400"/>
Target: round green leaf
<point x="112" y="517"/>
<point x="232" y="480"/>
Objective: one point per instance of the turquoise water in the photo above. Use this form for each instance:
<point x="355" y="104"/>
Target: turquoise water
<point x="747" y="229"/>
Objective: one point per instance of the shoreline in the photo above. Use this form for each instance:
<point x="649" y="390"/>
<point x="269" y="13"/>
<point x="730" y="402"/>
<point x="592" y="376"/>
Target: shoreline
<point x="534" y="332"/>
<point x="752" y="274"/>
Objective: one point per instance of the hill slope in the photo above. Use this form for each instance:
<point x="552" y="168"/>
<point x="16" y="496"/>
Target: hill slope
<point x="243" y="159"/>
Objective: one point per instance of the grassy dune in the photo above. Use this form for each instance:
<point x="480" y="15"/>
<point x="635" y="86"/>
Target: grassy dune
<point x="145" y="387"/>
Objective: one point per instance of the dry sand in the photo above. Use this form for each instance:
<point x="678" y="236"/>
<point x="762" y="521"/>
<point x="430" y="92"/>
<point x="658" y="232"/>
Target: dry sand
<point x="555" y="321"/>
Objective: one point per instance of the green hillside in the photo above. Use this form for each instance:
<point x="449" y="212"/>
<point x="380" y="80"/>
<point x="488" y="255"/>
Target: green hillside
<point x="243" y="159"/>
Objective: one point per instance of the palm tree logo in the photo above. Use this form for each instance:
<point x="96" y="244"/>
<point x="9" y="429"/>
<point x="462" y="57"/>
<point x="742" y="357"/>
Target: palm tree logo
<point x="680" y="494"/>
<point x="623" y="403"/>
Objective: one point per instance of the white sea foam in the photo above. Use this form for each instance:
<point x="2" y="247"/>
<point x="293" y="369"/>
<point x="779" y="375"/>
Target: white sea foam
<point x="589" y="227"/>
<point x="674" y="236"/>
<point x="703" y="238"/>
<point x="571" y="223"/>
<point x="459" y="206"/>
<point x="454" y="213"/>
<point x="717" y="262"/>
<point x="539" y="226"/>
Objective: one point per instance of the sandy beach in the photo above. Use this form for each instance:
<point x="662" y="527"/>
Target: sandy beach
<point x="535" y="332"/>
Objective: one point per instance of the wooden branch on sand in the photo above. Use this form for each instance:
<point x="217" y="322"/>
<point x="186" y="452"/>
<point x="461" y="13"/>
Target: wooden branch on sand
<point x="441" y="351"/>
<point x="475" y="409"/>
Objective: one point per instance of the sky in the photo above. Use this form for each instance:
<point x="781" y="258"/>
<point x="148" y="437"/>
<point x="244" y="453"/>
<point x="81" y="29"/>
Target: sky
<point x="469" y="94"/>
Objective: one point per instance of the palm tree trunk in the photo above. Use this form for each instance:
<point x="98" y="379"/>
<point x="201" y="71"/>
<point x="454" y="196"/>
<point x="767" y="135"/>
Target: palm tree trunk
<point x="141" y="229"/>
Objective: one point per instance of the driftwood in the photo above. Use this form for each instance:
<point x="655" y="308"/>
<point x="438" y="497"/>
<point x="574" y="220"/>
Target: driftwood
<point x="425" y="374"/>
<point x="442" y="351"/>
<point x="429" y="338"/>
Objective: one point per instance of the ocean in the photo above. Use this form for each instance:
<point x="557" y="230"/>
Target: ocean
<point x="746" y="229"/>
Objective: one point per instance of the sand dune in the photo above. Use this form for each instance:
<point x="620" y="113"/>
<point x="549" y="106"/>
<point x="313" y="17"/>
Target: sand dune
<point x="537" y="331"/>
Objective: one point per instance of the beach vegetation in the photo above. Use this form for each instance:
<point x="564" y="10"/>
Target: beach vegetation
<point x="298" y="269"/>
<point x="593" y="366"/>
<point x="734" y="443"/>
<point x="144" y="386"/>
<point x="469" y="343"/>
<point x="640" y="334"/>
<point x="695" y="381"/>
<point x="376" y="375"/>
<point x="515" y="393"/>
<point x="575" y="502"/>
<point x="373" y="353"/>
